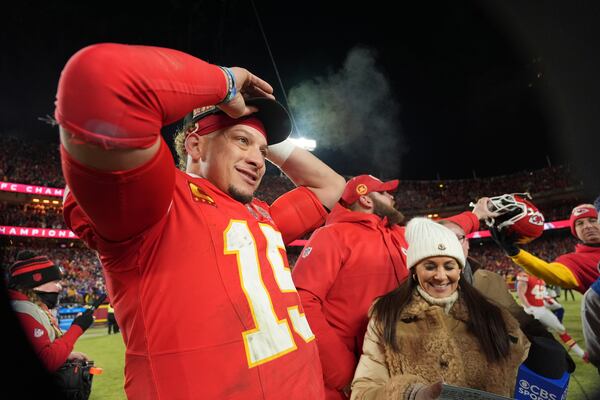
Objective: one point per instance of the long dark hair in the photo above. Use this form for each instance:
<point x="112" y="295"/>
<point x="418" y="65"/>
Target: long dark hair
<point x="485" y="319"/>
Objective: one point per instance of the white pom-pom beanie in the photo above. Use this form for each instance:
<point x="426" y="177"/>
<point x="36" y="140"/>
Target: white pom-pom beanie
<point x="429" y="239"/>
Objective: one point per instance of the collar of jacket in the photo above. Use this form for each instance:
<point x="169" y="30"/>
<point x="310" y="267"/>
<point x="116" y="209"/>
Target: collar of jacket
<point x="417" y="307"/>
<point x="446" y="303"/>
<point x="343" y="214"/>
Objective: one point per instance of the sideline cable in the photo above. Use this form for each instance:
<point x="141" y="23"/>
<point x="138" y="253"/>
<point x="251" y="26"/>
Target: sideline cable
<point x="262" y="31"/>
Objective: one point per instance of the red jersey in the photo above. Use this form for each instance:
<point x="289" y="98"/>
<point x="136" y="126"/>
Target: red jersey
<point x="536" y="289"/>
<point x="584" y="263"/>
<point x="205" y="296"/>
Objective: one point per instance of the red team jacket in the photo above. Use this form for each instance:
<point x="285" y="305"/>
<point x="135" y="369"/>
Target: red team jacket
<point x="345" y="265"/>
<point x="203" y="292"/>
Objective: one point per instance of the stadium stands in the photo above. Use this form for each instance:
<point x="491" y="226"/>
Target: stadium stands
<point x="555" y="190"/>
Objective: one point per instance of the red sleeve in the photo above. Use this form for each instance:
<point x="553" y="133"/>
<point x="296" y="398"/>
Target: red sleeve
<point x="584" y="268"/>
<point x="466" y="220"/>
<point x="296" y="213"/>
<point x="119" y="204"/>
<point x="315" y="272"/>
<point x="52" y="354"/>
<point x="118" y="95"/>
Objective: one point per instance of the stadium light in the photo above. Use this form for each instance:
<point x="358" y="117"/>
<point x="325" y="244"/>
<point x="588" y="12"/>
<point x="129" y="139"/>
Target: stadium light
<point x="307" y="144"/>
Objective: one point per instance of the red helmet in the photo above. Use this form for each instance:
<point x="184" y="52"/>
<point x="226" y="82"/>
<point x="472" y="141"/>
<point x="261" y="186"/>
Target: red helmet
<point x="518" y="215"/>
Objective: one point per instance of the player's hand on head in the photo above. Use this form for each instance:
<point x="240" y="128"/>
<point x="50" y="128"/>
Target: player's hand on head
<point x="248" y="85"/>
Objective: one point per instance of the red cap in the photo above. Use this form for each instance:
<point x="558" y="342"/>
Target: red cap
<point x="581" y="211"/>
<point x="364" y="184"/>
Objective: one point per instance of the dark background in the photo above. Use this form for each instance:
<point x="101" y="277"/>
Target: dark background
<point x="466" y="88"/>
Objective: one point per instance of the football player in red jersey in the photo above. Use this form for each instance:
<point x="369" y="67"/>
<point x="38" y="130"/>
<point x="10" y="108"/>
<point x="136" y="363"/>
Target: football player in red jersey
<point x="532" y="292"/>
<point x="576" y="270"/>
<point x="195" y="266"/>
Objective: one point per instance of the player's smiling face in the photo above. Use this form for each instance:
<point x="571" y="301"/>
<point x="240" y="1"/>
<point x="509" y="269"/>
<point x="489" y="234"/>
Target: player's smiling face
<point x="235" y="161"/>
<point x="438" y="276"/>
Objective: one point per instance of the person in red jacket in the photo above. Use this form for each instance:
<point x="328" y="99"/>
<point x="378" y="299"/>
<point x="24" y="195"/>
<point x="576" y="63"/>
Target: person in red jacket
<point x="359" y="255"/>
<point x="576" y="270"/>
<point x="195" y="266"/>
<point x="34" y="287"/>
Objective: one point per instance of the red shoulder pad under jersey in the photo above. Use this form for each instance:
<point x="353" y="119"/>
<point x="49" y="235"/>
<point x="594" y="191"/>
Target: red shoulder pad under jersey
<point x="296" y="213"/>
<point x="120" y="96"/>
<point x="466" y="220"/>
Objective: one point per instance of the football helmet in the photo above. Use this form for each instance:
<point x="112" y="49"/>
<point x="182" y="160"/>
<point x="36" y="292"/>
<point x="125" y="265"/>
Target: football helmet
<point x="519" y="217"/>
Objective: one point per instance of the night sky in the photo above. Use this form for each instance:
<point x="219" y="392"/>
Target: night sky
<point x="446" y="89"/>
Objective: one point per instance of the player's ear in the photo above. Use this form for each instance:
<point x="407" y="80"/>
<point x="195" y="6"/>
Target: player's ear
<point x="195" y="146"/>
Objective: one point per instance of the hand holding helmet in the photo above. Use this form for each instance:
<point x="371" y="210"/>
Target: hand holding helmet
<point x="516" y="217"/>
<point x="504" y="241"/>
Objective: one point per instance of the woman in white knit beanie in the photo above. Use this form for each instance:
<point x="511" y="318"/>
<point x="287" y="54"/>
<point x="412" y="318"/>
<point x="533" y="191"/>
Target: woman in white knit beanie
<point x="436" y="327"/>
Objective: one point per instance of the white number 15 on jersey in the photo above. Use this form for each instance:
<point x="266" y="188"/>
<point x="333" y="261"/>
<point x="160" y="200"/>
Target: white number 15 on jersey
<point x="272" y="337"/>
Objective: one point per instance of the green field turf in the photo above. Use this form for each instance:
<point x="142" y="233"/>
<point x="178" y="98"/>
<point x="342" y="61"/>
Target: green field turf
<point x="108" y="353"/>
<point x="586" y="378"/>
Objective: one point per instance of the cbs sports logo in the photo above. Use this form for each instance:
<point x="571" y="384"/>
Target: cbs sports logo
<point x="534" y="392"/>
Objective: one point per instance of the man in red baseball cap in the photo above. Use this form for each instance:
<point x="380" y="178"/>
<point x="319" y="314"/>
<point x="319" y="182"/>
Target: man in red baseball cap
<point x="359" y="255"/>
<point x="196" y="267"/>
<point x="576" y="270"/>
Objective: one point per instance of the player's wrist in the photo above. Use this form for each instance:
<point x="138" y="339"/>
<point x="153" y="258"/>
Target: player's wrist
<point x="280" y="152"/>
<point x="231" y="85"/>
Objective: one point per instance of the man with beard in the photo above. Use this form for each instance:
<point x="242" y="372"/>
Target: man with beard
<point x="359" y="255"/>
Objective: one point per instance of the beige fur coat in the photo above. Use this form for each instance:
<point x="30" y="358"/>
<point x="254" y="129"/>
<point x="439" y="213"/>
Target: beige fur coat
<point x="434" y="346"/>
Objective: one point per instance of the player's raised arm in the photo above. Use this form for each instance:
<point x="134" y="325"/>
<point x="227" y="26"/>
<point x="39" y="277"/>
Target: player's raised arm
<point x="304" y="169"/>
<point x="112" y="102"/>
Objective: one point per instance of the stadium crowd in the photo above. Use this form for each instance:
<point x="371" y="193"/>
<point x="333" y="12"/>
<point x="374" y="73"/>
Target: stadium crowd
<point x="41" y="166"/>
<point x="83" y="280"/>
